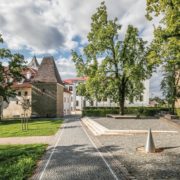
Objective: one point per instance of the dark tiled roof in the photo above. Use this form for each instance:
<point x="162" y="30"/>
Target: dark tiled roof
<point x="48" y="72"/>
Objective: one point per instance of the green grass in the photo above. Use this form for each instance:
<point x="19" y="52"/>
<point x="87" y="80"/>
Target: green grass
<point x="40" y="127"/>
<point x="18" y="161"/>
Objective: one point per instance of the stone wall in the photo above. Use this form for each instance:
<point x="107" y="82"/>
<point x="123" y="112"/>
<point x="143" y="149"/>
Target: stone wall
<point x="44" y="99"/>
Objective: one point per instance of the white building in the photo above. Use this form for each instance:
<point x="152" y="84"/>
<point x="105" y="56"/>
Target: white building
<point x="67" y="102"/>
<point x="78" y="102"/>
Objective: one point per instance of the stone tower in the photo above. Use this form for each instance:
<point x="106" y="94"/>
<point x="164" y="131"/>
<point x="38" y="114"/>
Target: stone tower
<point x="47" y="90"/>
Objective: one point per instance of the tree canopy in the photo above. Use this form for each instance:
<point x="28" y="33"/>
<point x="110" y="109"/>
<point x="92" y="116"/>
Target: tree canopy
<point x="165" y="47"/>
<point x="115" y="66"/>
<point x="10" y="73"/>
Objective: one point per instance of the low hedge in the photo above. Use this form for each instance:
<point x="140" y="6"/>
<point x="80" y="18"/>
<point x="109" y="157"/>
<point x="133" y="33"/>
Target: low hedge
<point x="103" y="111"/>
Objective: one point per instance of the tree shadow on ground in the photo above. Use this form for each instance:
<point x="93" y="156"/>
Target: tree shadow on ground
<point x="153" y="166"/>
<point x="78" y="162"/>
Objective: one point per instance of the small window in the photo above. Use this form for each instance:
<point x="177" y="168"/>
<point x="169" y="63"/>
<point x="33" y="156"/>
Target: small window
<point x="91" y="103"/>
<point x="64" y="99"/>
<point x="104" y="99"/>
<point x="70" y="88"/>
<point x="77" y="103"/>
<point x="16" y="102"/>
<point x="43" y="90"/>
<point x="19" y="93"/>
<point x="25" y="93"/>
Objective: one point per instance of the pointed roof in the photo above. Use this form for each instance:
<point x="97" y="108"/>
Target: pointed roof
<point x="34" y="63"/>
<point x="48" y="72"/>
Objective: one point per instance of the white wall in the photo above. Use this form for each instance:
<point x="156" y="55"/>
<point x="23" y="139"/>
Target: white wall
<point x="67" y="103"/>
<point x="107" y="103"/>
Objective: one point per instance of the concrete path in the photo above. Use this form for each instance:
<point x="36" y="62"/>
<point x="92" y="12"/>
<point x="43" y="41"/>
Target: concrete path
<point x="28" y="140"/>
<point x="74" y="157"/>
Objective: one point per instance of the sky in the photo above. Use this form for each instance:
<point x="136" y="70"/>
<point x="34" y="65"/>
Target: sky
<point x="55" y="27"/>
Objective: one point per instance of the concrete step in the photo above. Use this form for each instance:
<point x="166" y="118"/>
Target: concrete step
<point x="98" y="129"/>
<point x="91" y="127"/>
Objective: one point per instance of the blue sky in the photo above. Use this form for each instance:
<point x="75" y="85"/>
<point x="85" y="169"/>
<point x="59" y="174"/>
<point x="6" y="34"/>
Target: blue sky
<point x="55" y="27"/>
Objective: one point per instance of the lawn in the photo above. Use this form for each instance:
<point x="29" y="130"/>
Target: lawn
<point x="18" y="161"/>
<point x="40" y="127"/>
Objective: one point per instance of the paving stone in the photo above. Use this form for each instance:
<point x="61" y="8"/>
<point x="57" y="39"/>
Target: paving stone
<point x="74" y="157"/>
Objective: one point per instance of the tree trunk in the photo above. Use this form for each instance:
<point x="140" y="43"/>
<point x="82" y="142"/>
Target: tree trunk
<point x="122" y="107"/>
<point x="1" y="107"/>
<point x="122" y="97"/>
<point x="173" y="107"/>
<point x="174" y="91"/>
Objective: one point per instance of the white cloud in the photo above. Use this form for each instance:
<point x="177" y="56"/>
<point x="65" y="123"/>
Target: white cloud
<point x="47" y="26"/>
<point x="155" y="83"/>
<point x="50" y="26"/>
<point x="66" y="67"/>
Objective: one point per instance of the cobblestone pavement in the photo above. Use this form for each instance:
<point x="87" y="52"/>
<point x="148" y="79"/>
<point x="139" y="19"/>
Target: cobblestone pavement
<point x="75" y="157"/>
<point x="136" y="124"/>
<point x="162" y="165"/>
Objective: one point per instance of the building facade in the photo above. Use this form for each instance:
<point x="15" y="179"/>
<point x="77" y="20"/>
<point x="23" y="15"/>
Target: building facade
<point x="47" y="90"/>
<point x="42" y="87"/>
<point x="67" y="102"/>
<point x="78" y="102"/>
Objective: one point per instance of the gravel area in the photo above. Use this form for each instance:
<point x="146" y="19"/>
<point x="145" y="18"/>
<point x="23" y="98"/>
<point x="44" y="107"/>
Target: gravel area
<point x="157" y="166"/>
<point x="134" y="124"/>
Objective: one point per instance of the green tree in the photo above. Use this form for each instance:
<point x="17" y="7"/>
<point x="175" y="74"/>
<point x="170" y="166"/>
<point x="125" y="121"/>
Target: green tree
<point x="9" y="74"/>
<point x="123" y="68"/>
<point x="165" y="48"/>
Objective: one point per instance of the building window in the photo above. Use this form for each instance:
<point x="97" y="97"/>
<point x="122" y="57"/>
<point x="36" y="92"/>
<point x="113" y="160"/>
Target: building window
<point x="70" y="88"/>
<point x="64" y="99"/>
<point x="77" y="103"/>
<point x="43" y="90"/>
<point x="19" y="93"/>
<point x="25" y="93"/>
<point x="16" y="102"/>
<point x="28" y="75"/>
<point x="91" y="103"/>
<point x="104" y="99"/>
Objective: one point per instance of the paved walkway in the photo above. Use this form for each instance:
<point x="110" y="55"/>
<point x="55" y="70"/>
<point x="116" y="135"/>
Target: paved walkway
<point x="28" y="140"/>
<point x="74" y="156"/>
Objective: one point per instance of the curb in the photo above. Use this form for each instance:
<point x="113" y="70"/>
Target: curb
<point x="99" y="130"/>
<point x="171" y="122"/>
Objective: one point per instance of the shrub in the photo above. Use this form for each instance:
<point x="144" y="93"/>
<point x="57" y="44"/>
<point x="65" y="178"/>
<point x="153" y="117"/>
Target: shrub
<point x="103" y="111"/>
